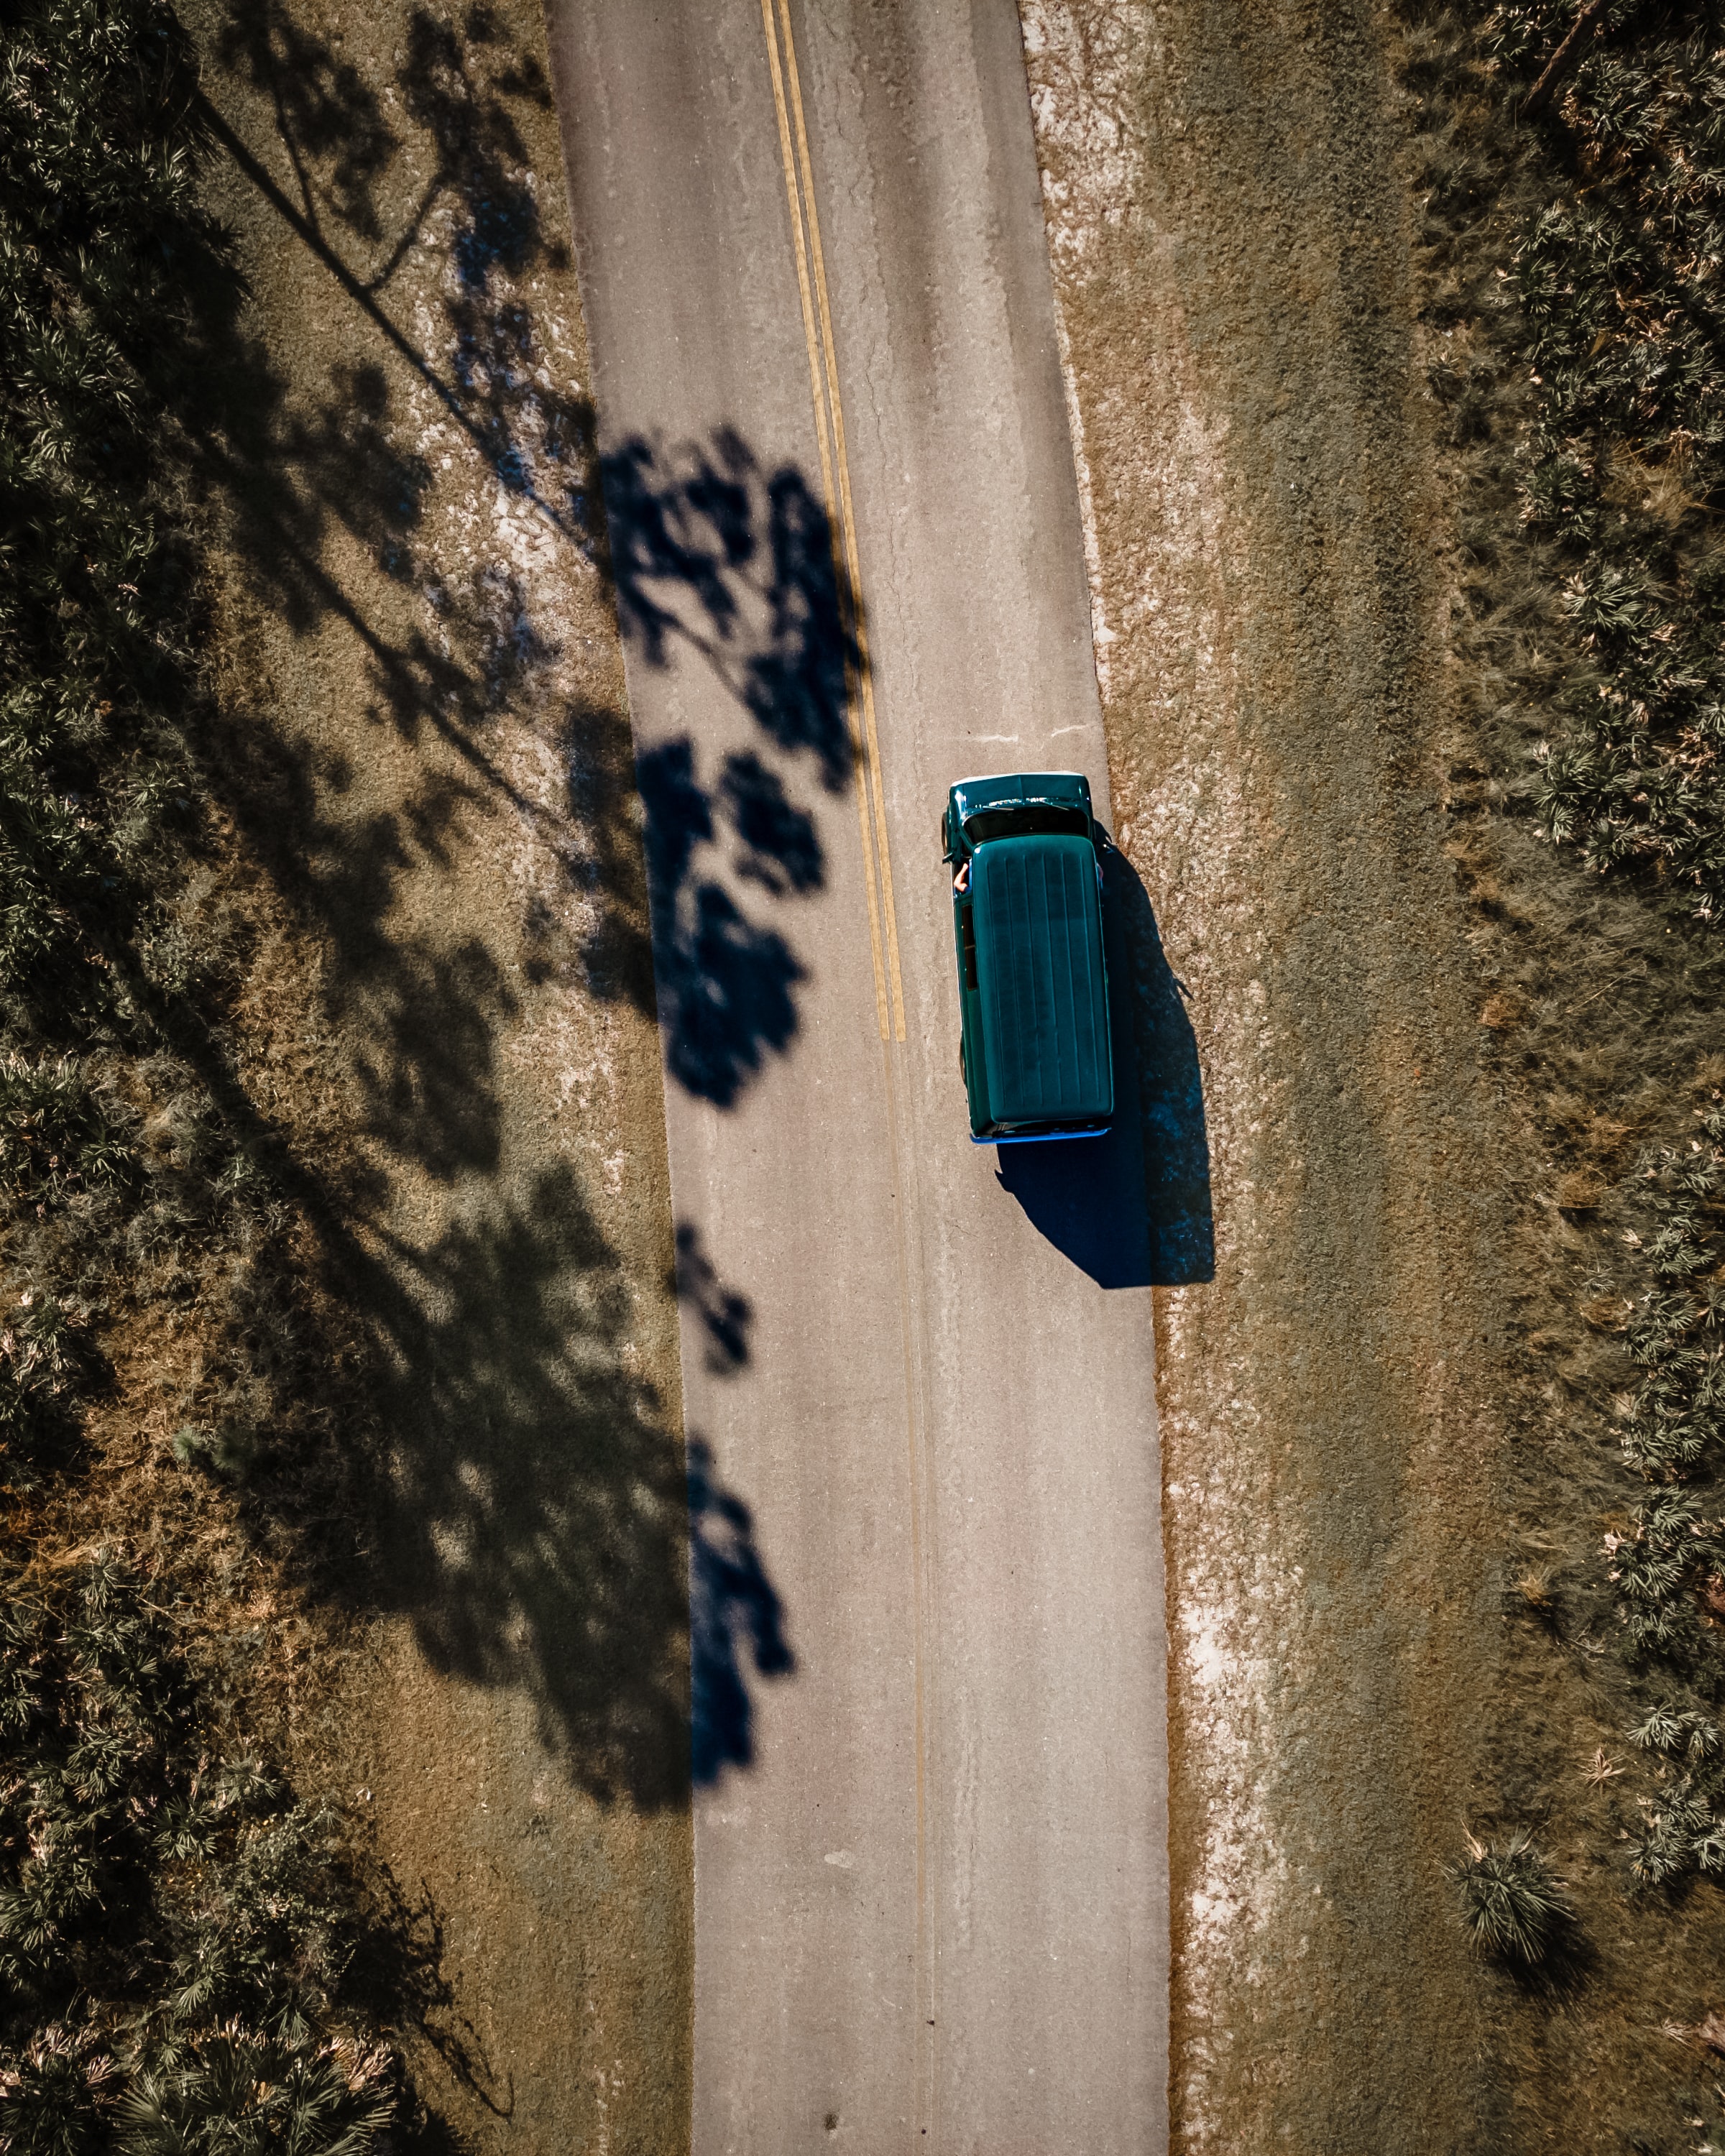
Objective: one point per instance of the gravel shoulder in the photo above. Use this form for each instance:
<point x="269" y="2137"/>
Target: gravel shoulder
<point x="1226" y="208"/>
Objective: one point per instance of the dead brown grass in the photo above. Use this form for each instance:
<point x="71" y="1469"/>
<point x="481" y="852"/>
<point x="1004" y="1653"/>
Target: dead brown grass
<point x="381" y="1242"/>
<point x="447" y="1017"/>
<point x="1617" y="1038"/>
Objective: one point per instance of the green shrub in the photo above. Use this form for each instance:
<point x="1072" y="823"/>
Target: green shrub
<point x="54" y="2095"/>
<point x="1678" y="1733"/>
<point x="176" y="1933"/>
<point x="1624" y="339"/>
<point x="1679" y="1834"/>
<point x="1513" y="1904"/>
<point x="1676" y="1330"/>
<point x="56" y="1134"/>
<point x="230" y="1452"/>
<point x="234" y="2091"/>
<point x="1668" y="1549"/>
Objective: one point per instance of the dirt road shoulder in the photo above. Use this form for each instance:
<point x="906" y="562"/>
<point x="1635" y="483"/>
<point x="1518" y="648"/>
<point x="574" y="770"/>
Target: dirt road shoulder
<point x="1224" y="205"/>
<point x="429" y="755"/>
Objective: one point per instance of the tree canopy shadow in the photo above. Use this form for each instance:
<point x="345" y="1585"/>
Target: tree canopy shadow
<point x="545" y="1501"/>
<point x="710" y="552"/>
<point x="736" y="1620"/>
<point x="736" y="1617"/>
<point x="717" y="562"/>
<point x="725" y="1315"/>
<point x="455" y="1427"/>
<point x="707" y="553"/>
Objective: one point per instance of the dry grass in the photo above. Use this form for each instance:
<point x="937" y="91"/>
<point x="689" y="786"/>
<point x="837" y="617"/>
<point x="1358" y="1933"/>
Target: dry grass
<point x="1502" y="1011"/>
<point x="159" y="1263"/>
<point x="1582" y="536"/>
<point x="1601" y="1011"/>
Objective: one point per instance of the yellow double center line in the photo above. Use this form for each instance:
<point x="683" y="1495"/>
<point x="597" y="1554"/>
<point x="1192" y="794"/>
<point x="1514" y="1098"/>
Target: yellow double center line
<point x="836" y="484"/>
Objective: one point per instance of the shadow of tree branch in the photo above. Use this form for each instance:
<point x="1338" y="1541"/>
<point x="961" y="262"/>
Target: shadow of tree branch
<point x="474" y="1446"/>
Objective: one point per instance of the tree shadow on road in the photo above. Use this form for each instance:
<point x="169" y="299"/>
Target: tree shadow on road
<point x="721" y="564"/>
<point x="737" y="1623"/>
<point x="736" y="1617"/>
<point x="543" y="1529"/>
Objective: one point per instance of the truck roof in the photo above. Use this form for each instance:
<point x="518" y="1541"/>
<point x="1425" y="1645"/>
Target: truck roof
<point x="1037" y="919"/>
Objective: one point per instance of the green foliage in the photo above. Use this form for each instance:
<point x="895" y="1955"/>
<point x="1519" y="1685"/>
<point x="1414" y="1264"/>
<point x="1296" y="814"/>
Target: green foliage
<point x="56" y="1134"/>
<point x="231" y="1453"/>
<point x="1668" y="1551"/>
<point x="1678" y="1732"/>
<point x="1615" y="279"/>
<point x="1676" y="1332"/>
<point x="235" y="2092"/>
<point x="101" y="235"/>
<point x="1671" y="1426"/>
<point x="1513" y="1903"/>
<point x="1682" y="1832"/>
<point x="42" y="1355"/>
<point x="54" y="2093"/>
<point x="175" y="1933"/>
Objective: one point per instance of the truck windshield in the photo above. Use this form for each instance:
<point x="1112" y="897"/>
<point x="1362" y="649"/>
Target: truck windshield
<point x="1031" y="821"/>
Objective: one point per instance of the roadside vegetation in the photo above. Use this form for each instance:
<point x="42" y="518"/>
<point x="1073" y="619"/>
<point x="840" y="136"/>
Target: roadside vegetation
<point x="192" y="1956"/>
<point x="180" y="1942"/>
<point x="1571" y="245"/>
<point x="1514" y="1905"/>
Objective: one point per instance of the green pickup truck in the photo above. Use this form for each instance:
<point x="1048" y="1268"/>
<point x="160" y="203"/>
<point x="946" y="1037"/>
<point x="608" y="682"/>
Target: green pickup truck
<point x="1027" y="926"/>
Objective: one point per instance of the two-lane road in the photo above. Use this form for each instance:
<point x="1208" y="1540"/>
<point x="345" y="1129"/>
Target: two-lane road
<point x="931" y="1873"/>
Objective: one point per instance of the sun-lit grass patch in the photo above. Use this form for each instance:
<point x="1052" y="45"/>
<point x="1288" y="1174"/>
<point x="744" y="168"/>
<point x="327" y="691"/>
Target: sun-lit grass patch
<point x="1573" y="346"/>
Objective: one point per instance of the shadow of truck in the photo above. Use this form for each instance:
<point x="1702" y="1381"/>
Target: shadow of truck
<point x="1132" y="1209"/>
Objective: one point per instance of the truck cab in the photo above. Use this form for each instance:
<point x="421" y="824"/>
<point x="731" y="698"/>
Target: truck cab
<point x="1035" y="1044"/>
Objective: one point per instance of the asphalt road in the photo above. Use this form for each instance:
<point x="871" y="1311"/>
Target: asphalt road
<point x="929" y="1721"/>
